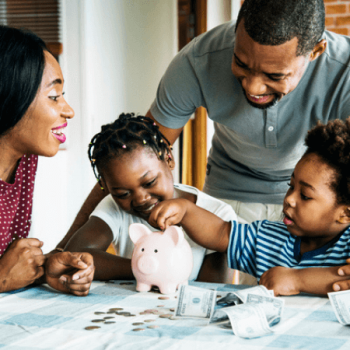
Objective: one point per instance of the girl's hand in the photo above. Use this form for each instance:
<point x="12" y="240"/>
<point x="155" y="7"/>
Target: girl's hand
<point x="282" y="280"/>
<point x="70" y="272"/>
<point x="168" y="213"/>
<point x="345" y="284"/>
<point x="21" y="264"/>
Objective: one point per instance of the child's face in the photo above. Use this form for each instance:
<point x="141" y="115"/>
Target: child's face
<point x="309" y="206"/>
<point x="139" y="180"/>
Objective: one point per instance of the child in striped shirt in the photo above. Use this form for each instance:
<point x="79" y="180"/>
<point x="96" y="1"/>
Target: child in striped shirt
<point x="303" y="253"/>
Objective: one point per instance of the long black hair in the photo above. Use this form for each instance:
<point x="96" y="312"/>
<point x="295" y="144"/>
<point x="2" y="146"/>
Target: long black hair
<point x="22" y="64"/>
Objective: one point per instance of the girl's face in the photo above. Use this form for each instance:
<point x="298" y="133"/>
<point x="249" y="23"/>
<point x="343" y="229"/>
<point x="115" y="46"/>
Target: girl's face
<point x="310" y="207"/>
<point x="40" y="131"/>
<point x="139" y="180"/>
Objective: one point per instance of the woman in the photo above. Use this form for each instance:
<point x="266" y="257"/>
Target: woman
<point x="33" y="115"/>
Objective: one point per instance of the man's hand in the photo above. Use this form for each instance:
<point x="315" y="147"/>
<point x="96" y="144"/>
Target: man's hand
<point x="282" y="280"/>
<point x="21" y="264"/>
<point x="168" y="213"/>
<point x="344" y="284"/>
<point x="70" y="272"/>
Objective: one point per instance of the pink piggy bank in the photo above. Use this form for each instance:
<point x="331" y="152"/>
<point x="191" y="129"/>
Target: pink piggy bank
<point x="161" y="259"/>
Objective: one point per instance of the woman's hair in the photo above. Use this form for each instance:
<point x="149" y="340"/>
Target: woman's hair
<point x="331" y="142"/>
<point x="21" y="69"/>
<point x="123" y="136"/>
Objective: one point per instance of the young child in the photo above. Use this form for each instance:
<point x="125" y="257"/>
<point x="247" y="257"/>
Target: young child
<point x="133" y="161"/>
<point x="303" y="253"/>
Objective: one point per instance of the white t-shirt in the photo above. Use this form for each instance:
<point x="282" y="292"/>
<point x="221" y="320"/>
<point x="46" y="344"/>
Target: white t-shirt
<point x="119" y="221"/>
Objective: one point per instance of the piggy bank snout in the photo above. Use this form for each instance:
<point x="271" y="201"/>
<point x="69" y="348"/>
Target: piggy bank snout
<point x="147" y="264"/>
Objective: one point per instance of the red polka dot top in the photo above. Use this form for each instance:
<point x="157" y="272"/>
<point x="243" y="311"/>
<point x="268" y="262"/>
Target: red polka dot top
<point x="16" y="202"/>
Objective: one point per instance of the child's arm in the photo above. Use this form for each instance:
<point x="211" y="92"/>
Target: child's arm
<point x="204" y="227"/>
<point x="95" y="237"/>
<point x="290" y="281"/>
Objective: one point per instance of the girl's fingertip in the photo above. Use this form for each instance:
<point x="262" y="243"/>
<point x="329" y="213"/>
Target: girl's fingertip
<point x="341" y="272"/>
<point x="336" y="287"/>
<point x="82" y="264"/>
<point x="63" y="279"/>
<point x="75" y="277"/>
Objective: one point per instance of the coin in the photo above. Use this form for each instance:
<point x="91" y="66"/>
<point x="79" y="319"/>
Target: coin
<point x="109" y="322"/>
<point x="163" y="298"/>
<point x="165" y="315"/>
<point x="160" y="305"/>
<point x="172" y="310"/>
<point x="97" y="321"/>
<point x="123" y="313"/>
<point x="99" y="313"/>
<point x="130" y="315"/>
<point x="116" y="309"/>
<point x="137" y="323"/>
<point x="112" y="312"/>
<point x="153" y="326"/>
<point x="108" y="317"/>
<point x="150" y="320"/>
<point x="138" y="329"/>
<point x="91" y="328"/>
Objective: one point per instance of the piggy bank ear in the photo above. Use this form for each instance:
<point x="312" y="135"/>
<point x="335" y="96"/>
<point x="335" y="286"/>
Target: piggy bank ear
<point x="175" y="234"/>
<point x="136" y="231"/>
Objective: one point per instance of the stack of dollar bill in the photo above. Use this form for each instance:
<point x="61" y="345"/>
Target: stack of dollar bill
<point x="341" y="305"/>
<point x="250" y="312"/>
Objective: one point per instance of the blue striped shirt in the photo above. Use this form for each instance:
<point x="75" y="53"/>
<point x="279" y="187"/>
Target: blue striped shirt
<point x="255" y="248"/>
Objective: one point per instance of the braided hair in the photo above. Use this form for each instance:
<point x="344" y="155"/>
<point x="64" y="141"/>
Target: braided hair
<point x="123" y="136"/>
<point x="331" y="142"/>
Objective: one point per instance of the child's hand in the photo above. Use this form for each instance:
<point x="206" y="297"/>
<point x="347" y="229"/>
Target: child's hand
<point x="345" y="284"/>
<point x="70" y="272"/>
<point x="282" y="280"/>
<point x="167" y="213"/>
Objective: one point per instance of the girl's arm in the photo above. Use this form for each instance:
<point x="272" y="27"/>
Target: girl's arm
<point x="204" y="227"/>
<point x="290" y="281"/>
<point x="95" y="237"/>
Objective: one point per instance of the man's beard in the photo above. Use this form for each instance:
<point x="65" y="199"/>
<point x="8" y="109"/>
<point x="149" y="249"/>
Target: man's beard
<point x="262" y="106"/>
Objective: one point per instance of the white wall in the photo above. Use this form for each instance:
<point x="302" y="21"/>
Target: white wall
<point x="115" y="52"/>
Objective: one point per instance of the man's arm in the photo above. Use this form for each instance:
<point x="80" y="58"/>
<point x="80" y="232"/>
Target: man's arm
<point x="290" y="281"/>
<point x="171" y="134"/>
<point x="95" y="197"/>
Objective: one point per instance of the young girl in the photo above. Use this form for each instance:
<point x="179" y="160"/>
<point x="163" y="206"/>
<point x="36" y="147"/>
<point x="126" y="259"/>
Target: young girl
<point x="303" y="253"/>
<point x="133" y="161"/>
<point x="33" y="115"/>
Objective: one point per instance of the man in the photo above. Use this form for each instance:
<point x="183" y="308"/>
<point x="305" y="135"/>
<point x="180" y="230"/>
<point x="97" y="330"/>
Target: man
<point x="265" y="81"/>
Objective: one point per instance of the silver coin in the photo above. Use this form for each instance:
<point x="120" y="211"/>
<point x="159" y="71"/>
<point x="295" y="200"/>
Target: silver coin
<point x="150" y="320"/>
<point x="108" y="317"/>
<point x="116" y="309"/>
<point x="153" y="326"/>
<point x="137" y="324"/>
<point x="99" y="313"/>
<point x="109" y="322"/>
<point x="91" y="328"/>
<point x="123" y="313"/>
<point x="138" y="329"/>
<point x="97" y="320"/>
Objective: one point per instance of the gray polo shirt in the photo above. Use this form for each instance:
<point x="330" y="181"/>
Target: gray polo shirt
<point x="253" y="151"/>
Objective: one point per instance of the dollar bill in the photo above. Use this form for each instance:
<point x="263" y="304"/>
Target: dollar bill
<point x="273" y="307"/>
<point x="341" y="305"/>
<point x="248" y="320"/>
<point x="195" y="302"/>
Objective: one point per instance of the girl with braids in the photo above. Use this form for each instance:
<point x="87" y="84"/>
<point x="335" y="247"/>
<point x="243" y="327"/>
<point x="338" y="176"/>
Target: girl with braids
<point x="132" y="160"/>
<point x="306" y="251"/>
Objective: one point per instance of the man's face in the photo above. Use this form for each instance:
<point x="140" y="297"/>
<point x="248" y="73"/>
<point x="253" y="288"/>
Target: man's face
<point x="267" y="73"/>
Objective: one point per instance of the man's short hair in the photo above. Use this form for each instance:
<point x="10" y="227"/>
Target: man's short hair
<point x="274" y="22"/>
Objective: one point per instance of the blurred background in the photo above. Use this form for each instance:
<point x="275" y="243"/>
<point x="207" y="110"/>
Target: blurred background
<point x="113" y="54"/>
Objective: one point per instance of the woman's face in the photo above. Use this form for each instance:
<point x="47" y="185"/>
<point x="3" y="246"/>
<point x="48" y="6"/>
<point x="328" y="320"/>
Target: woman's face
<point x="40" y="131"/>
<point x="138" y="181"/>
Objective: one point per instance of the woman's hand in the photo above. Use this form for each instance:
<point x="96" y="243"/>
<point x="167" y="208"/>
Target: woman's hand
<point x="21" y="264"/>
<point x="70" y="272"/>
<point x="344" y="284"/>
<point x="282" y="280"/>
<point x="168" y="213"/>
